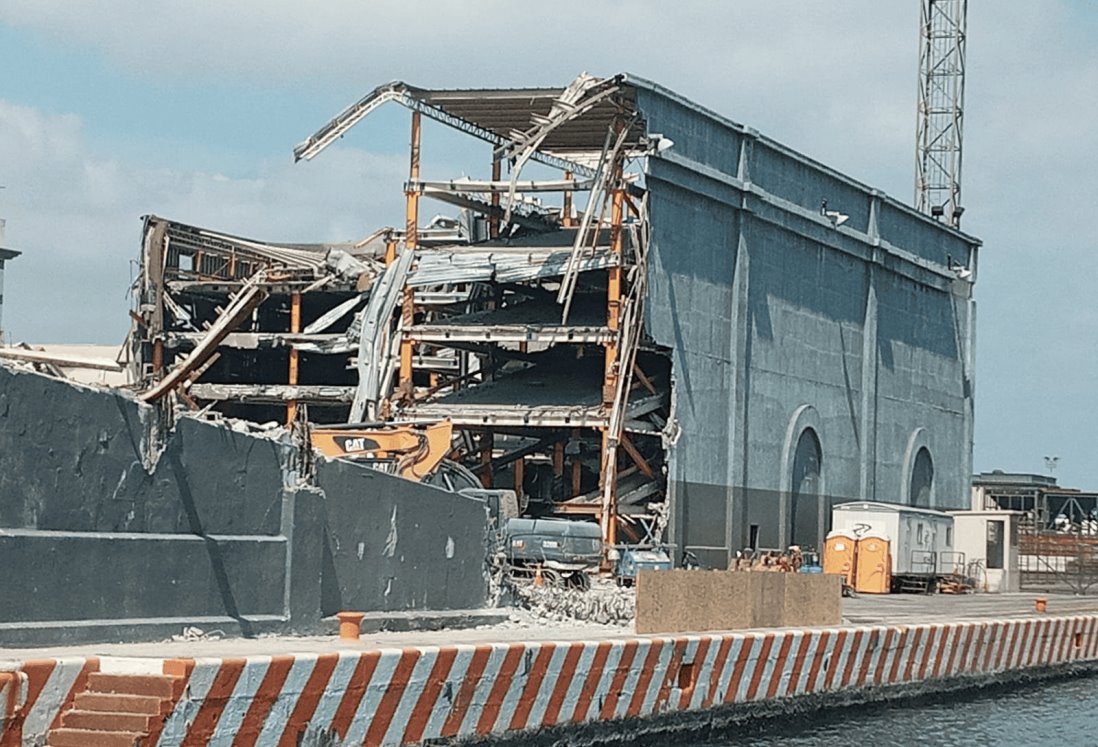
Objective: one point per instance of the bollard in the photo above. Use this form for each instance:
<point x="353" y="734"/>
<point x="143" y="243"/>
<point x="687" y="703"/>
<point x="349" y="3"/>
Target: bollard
<point x="1040" y="604"/>
<point x="350" y="625"/>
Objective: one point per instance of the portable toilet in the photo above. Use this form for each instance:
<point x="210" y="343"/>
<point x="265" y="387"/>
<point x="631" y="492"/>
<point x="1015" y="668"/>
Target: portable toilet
<point x="873" y="574"/>
<point x="840" y="552"/>
<point x="920" y="539"/>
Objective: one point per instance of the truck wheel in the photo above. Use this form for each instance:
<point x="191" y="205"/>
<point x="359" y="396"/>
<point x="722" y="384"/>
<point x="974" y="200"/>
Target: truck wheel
<point x="552" y="578"/>
<point x="579" y="581"/>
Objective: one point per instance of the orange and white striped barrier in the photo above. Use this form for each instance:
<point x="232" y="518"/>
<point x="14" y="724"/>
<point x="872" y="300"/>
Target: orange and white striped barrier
<point x="50" y="686"/>
<point x="13" y="697"/>
<point x="410" y="695"/>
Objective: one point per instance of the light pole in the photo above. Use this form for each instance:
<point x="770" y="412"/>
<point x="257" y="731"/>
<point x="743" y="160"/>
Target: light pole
<point x="1050" y="464"/>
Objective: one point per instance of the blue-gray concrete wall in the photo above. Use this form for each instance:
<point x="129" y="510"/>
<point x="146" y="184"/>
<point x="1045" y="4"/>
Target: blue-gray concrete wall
<point x="780" y="321"/>
<point x="101" y="530"/>
<point x="416" y="548"/>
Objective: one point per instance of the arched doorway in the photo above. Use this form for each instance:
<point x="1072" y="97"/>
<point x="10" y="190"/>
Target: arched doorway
<point x="922" y="479"/>
<point x="804" y="504"/>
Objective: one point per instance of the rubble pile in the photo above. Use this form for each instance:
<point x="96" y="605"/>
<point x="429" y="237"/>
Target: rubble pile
<point x="603" y="603"/>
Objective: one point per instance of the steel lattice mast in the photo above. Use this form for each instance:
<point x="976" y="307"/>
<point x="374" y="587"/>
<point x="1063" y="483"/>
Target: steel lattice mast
<point x="941" y="109"/>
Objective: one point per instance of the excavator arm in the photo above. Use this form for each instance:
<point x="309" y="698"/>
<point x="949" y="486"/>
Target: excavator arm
<point x="417" y="452"/>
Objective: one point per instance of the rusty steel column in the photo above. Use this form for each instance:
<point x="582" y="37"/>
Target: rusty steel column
<point x="493" y="217"/>
<point x="295" y="328"/>
<point x="153" y="255"/>
<point x="487" y="444"/>
<point x="520" y="476"/>
<point x="411" y="215"/>
<point x="158" y="357"/>
<point x="577" y="467"/>
<point x="558" y="460"/>
<point x="611" y="371"/>
<point x="411" y="241"/>
<point x="566" y="210"/>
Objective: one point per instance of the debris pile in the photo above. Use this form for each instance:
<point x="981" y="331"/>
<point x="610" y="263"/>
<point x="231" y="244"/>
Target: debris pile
<point x="604" y="603"/>
<point x="775" y="561"/>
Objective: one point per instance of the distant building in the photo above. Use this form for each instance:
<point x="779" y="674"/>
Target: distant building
<point x="5" y="255"/>
<point x="1047" y="505"/>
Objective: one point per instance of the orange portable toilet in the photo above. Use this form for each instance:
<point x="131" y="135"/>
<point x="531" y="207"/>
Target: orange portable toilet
<point x="840" y="553"/>
<point x="873" y="574"/>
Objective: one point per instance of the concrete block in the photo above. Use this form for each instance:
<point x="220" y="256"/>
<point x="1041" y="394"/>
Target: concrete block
<point x="682" y="601"/>
<point x="812" y="600"/>
<point x="767" y="598"/>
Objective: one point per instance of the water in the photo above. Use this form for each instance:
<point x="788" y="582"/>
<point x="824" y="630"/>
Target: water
<point x="1055" y="712"/>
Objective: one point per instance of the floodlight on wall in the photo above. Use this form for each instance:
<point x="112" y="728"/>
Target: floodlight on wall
<point x="961" y="271"/>
<point x="836" y="218"/>
<point x="658" y="143"/>
<point x="937" y="211"/>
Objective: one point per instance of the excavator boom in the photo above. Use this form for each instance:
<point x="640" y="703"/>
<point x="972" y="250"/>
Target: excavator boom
<point x="416" y="452"/>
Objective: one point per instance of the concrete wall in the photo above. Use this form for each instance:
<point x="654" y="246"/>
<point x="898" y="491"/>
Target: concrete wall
<point x="78" y="459"/>
<point x="97" y="525"/>
<point x="781" y="322"/>
<point x="137" y="575"/>
<point x="682" y="601"/>
<point x="581" y="692"/>
<point x="396" y="545"/>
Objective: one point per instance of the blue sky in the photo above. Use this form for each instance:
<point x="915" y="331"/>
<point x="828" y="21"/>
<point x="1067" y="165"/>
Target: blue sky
<point x="117" y="108"/>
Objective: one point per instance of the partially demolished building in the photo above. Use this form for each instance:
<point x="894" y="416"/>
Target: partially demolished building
<point x="686" y="332"/>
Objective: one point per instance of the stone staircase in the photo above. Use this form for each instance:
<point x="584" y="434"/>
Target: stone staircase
<point x="117" y="710"/>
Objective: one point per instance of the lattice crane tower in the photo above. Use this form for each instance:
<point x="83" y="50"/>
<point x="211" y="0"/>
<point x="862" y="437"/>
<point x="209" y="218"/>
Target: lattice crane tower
<point x="941" y="109"/>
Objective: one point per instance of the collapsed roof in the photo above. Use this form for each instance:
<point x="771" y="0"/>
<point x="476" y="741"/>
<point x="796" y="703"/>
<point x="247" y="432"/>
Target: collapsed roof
<point x="568" y="125"/>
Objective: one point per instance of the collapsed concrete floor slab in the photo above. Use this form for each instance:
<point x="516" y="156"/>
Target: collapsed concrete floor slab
<point x="116" y="524"/>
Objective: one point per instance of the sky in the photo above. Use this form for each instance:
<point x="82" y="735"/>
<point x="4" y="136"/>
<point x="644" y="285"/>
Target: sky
<point x="114" y="109"/>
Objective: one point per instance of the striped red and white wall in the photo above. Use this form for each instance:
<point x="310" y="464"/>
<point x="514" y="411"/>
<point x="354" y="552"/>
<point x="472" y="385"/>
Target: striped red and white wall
<point x="13" y="696"/>
<point x="406" y="696"/>
<point x="50" y="685"/>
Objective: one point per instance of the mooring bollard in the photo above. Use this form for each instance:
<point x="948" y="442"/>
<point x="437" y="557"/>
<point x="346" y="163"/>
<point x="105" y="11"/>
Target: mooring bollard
<point x="1040" y="604"/>
<point x="350" y="625"/>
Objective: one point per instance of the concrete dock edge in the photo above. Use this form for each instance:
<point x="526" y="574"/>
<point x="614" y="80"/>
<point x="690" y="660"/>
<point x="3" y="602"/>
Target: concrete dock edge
<point x="507" y="692"/>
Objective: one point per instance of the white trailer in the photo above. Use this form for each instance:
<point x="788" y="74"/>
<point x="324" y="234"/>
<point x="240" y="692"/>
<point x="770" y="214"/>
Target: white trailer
<point x="920" y="539"/>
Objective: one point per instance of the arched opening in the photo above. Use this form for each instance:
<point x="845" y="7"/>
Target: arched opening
<point x="922" y="479"/>
<point x="804" y="504"/>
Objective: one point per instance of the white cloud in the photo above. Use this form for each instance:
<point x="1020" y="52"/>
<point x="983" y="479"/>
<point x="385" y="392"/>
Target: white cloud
<point x="829" y="79"/>
<point x="74" y="214"/>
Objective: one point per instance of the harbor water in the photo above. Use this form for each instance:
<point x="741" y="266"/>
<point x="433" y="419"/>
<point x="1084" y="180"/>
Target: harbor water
<point x="1055" y="712"/>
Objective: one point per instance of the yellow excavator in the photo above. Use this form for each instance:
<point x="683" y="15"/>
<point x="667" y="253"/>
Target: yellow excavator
<point x="414" y="452"/>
